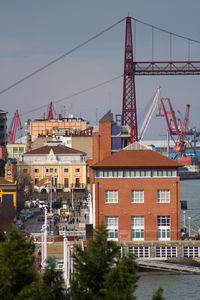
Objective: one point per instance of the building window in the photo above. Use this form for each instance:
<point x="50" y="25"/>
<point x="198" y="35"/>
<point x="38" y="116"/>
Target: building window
<point x="191" y="251"/>
<point x="66" y="170"/>
<point x="25" y="171"/>
<point x="137" y="173"/>
<point x="163" y="227"/>
<point x="112" y="227"/>
<point x="164" y="173"/>
<point x="166" y="251"/>
<point x="21" y="150"/>
<point x="139" y="251"/>
<point x="36" y="170"/>
<point x="163" y="196"/>
<point x="47" y="170"/>
<point x="51" y="170"/>
<point x="15" y="150"/>
<point x="137" y="228"/>
<point x="36" y="180"/>
<point x="111" y="196"/>
<point x="137" y="196"/>
<point x="66" y="182"/>
<point x="77" y="182"/>
<point x="55" y="170"/>
<point x="77" y="170"/>
<point x="110" y="173"/>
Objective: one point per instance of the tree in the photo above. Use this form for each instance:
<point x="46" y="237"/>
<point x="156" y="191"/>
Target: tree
<point x="16" y="260"/>
<point x="100" y="266"/>
<point x="158" y="294"/>
<point x="120" y="282"/>
<point x="49" y="287"/>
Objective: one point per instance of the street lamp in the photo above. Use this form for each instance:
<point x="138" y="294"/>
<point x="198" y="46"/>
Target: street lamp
<point x="184" y="220"/>
<point x="67" y="260"/>
<point x="189" y="224"/>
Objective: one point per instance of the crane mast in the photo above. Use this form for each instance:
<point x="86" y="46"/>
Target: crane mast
<point x="15" y="124"/>
<point x="149" y="114"/>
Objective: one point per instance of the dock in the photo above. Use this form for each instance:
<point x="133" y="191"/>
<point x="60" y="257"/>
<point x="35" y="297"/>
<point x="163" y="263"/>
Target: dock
<point x="166" y="266"/>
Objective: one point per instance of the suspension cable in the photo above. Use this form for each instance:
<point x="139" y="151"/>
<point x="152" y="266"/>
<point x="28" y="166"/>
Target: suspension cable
<point x="60" y="57"/>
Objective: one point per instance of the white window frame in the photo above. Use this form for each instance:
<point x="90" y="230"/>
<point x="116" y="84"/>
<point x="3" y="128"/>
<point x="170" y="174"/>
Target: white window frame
<point x="163" y="196"/>
<point x="112" y="227"/>
<point x="166" y="251"/>
<point x="111" y="196"/>
<point x="163" y="227"/>
<point x="137" y="196"/>
<point x="137" y="228"/>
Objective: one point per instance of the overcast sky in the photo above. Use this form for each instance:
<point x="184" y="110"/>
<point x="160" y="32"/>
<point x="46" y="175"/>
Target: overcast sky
<point x="33" y="33"/>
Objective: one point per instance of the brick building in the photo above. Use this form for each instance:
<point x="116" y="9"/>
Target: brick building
<point x="136" y="192"/>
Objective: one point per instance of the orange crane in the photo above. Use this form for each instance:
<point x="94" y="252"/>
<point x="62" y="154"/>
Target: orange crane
<point x="174" y="124"/>
<point x="15" y="124"/>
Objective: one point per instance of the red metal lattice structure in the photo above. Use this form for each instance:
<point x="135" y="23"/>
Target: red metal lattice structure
<point x="133" y="68"/>
<point x="174" y="124"/>
<point x="15" y="124"/>
<point x="51" y="114"/>
<point x="129" y="115"/>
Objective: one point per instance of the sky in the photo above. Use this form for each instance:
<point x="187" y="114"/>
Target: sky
<point x="33" y="33"/>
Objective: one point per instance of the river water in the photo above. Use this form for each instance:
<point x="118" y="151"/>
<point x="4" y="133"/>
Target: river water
<point x="176" y="286"/>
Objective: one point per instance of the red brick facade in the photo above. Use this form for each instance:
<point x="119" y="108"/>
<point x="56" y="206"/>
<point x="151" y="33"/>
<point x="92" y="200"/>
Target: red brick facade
<point x="150" y="209"/>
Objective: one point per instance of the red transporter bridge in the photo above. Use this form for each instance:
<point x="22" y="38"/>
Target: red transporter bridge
<point x="133" y="68"/>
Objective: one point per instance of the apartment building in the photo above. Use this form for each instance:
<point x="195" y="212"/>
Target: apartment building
<point x="136" y="193"/>
<point x="66" y="167"/>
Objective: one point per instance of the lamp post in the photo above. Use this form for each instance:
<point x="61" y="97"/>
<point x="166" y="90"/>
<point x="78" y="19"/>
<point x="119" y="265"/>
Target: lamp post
<point x="184" y="221"/>
<point x="67" y="260"/>
<point x="73" y="199"/>
<point x="189" y="224"/>
<point x="44" y="239"/>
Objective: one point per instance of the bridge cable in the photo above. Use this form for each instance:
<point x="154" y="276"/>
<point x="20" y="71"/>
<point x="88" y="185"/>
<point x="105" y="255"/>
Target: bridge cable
<point x="166" y="31"/>
<point x="75" y="94"/>
<point x="60" y="57"/>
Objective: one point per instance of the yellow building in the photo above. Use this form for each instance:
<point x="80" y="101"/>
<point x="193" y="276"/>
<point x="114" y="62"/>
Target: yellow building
<point x="15" y="150"/>
<point x="8" y="192"/>
<point x="65" y="167"/>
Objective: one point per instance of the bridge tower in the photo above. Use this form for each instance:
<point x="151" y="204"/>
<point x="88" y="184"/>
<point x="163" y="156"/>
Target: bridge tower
<point x="129" y="115"/>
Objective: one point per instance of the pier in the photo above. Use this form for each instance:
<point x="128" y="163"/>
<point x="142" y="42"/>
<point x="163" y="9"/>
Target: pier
<point x="166" y="266"/>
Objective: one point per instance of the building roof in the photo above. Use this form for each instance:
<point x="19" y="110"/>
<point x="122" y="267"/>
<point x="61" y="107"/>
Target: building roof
<point x="136" y="159"/>
<point x="59" y="149"/>
<point x="107" y="117"/>
<point x="3" y="181"/>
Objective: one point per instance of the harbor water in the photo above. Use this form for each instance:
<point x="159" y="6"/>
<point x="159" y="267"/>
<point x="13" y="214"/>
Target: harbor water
<point x="176" y="286"/>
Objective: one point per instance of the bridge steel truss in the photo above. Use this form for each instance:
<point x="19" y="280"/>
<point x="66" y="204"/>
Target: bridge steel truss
<point x="137" y="68"/>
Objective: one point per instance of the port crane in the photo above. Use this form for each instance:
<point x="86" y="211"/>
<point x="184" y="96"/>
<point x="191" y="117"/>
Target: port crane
<point x="15" y="124"/>
<point x="51" y="114"/>
<point x="175" y="126"/>
<point x="149" y="114"/>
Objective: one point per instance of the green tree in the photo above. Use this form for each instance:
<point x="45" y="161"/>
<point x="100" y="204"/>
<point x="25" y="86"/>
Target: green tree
<point x="158" y="294"/>
<point x="49" y="287"/>
<point x="100" y="266"/>
<point x="16" y="260"/>
<point x="120" y="282"/>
